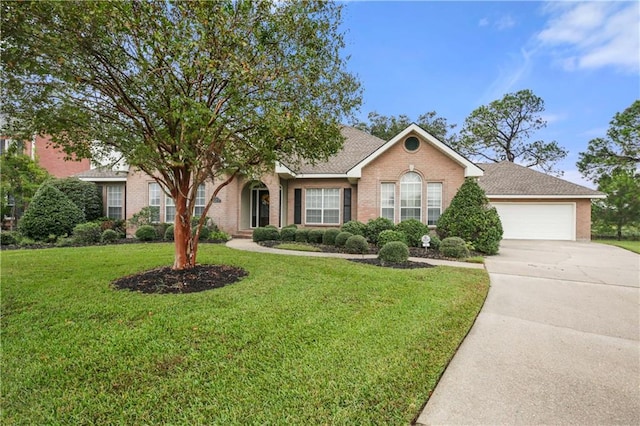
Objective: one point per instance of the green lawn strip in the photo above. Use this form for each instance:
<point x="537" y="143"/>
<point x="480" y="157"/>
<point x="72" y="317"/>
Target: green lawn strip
<point x="633" y="246"/>
<point x="297" y="247"/>
<point x="298" y="341"/>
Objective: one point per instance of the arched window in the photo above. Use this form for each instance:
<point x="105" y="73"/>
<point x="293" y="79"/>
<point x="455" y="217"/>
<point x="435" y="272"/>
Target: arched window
<point x="411" y="196"/>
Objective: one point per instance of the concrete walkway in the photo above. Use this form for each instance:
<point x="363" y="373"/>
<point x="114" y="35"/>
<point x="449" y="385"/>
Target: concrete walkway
<point x="557" y="341"/>
<point x="248" y="245"/>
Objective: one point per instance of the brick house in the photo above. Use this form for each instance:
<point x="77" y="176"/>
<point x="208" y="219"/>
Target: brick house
<point x="413" y="175"/>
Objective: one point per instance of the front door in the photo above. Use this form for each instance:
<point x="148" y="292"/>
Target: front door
<point x="259" y="207"/>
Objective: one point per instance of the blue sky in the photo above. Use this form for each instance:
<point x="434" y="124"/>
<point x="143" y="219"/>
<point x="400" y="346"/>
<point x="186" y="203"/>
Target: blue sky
<point x="582" y="58"/>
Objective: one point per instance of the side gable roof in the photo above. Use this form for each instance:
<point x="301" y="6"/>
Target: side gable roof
<point x="470" y="169"/>
<point x="510" y="180"/>
<point x="103" y="174"/>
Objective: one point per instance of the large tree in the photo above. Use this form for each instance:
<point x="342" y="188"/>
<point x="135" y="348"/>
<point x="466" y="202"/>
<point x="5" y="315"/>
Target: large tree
<point x="620" y="149"/>
<point x="503" y="130"/>
<point x="622" y="205"/>
<point x="186" y="91"/>
<point x="386" y="127"/>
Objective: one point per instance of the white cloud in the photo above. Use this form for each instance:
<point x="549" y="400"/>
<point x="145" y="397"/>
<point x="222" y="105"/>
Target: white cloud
<point x="553" y="118"/>
<point x="594" y="35"/>
<point x="505" y="22"/>
<point x="483" y="22"/>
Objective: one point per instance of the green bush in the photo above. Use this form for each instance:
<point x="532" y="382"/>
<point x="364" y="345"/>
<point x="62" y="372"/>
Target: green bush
<point x="83" y="194"/>
<point x="357" y="244"/>
<point x="109" y="236"/>
<point x="376" y="226"/>
<point x="434" y="243"/>
<point x="316" y="235"/>
<point x="292" y="226"/>
<point x="354" y="227"/>
<point x="50" y="213"/>
<point x="329" y="237"/>
<point x="8" y="238"/>
<point x="87" y="233"/>
<point x="414" y="230"/>
<point x="66" y="242"/>
<point x="454" y="247"/>
<point x="394" y="252"/>
<point x="302" y="235"/>
<point x="288" y="234"/>
<point x="470" y="218"/>
<point x="219" y="236"/>
<point x="205" y="232"/>
<point x="342" y="237"/>
<point x="267" y="233"/>
<point x="146" y="233"/>
<point x="389" y="235"/>
<point x="168" y="233"/>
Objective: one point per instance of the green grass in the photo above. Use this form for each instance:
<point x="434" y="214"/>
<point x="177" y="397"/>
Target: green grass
<point x="297" y="247"/>
<point x="633" y="246"/>
<point x="298" y="341"/>
<point x="474" y="259"/>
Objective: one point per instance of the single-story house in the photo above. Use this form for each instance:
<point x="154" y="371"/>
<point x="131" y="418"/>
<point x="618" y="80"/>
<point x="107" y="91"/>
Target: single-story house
<point x="413" y="175"/>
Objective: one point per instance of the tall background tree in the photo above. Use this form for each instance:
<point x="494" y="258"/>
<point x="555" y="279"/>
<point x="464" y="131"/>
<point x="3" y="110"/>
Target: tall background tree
<point x="503" y="130"/>
<point x="186" y="91"/>
<point x="620" y="149"/>
<point x="613" y="163"/>
<point x="386" y="127"/>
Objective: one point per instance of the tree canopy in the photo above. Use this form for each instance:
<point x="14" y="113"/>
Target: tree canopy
<point x="186" y="91"/>
<point x="622" y="205"/>
<point x="503" y="129"/>
<point x="620" y="149"/>
<point x="386" y="127"/>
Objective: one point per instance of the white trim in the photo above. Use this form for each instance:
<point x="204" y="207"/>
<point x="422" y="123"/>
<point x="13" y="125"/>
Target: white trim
<point x="89" y="179"/>
<point x="470" y="169"/>
<point x="546" y="197"/>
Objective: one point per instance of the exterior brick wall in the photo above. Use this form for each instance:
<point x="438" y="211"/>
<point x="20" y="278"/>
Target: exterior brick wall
<point x="53" y="160"/>
<point x="430" y="163"/>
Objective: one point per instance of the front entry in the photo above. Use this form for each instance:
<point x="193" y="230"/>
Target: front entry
<point x="259" y="207"/>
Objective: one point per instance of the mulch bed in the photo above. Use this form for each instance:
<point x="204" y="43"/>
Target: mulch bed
<point x="166" y="280"/>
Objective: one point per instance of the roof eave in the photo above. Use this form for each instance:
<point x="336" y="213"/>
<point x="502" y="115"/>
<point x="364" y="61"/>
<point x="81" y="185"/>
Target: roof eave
<point x="555" y="196"/>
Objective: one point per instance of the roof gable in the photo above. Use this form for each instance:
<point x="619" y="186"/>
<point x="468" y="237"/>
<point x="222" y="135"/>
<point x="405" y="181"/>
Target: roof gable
<point x="510" y="180"/>
<point x="470" y="169"/>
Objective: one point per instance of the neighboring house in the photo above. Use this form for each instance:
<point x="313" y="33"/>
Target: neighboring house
<point x="413" y="175"/>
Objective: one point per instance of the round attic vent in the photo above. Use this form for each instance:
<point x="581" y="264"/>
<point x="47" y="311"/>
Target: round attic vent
<point x="411" y="143"/>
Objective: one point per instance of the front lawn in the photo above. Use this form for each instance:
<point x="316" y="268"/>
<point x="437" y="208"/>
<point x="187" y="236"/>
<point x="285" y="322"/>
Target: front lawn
<point x="298" y="341"/>
<point x="633" y="246"/>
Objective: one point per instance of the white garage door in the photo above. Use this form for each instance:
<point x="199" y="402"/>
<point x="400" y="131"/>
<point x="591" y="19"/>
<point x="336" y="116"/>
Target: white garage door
<point x="538" y="221"/>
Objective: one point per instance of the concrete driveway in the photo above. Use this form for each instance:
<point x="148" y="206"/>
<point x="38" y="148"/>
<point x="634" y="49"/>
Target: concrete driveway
<point x="557" y="341"/>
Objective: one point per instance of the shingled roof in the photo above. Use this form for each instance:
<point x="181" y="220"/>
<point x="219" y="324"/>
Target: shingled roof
<point x="510" y="179"/>
<point x="102" y="174"/>
<point x="358" y="145"/>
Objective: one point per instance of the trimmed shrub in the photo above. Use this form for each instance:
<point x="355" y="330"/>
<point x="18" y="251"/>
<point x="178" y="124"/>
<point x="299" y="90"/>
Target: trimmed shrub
<point x="293" y="226"/>
<point x="109" y="236"/>
<point x="168" y="234"/>
<point x="434" y="243"/>
<point x="8" y="238"/>
<point x="316" y="235"/>
<point x="329" y="237"/>
<point x="470" y="218"/>
<point x="219" y="236"/>
<point x="87" y="233"/>
<point x="414" y="230"/>
<point x="454" y="247"/>
<point x="302" y="235"/>
<point x="267" y="233"/>
<point x="204" y="233"/>
<point x="83" y="194"/>
<point x="50" y="213"/>
<point x="357" y="244"/>
<point x="354" y="227"/>
<point x="376" y="226"/>
<point x="288" y="234"/>
<point x="342" y="237"/>
<point x="389" y="235"/>
<point x="394" y="252"/>
<point x="146" y="233"/>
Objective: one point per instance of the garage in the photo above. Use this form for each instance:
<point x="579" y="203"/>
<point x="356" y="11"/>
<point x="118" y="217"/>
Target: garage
<point x="537" y="221"/>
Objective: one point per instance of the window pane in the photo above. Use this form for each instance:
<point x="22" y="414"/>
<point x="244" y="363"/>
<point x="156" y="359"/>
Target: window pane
<point x="200" y="201"/>
<point x="154" y="201"/>
<point x="331" y="199"/>
<point x="115" y="201"/>
<point x="434" y="202"/>
<point x="331" y="216"/>
<point x="322" y="205"/>
<point x="388" y="200"/>
<point x="169" y="209"/>
<point x="411" y="196"/>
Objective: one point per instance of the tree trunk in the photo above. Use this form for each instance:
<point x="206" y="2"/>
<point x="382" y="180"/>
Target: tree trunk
<point x="619" y="231"/>
<point x="184" y="256"/>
